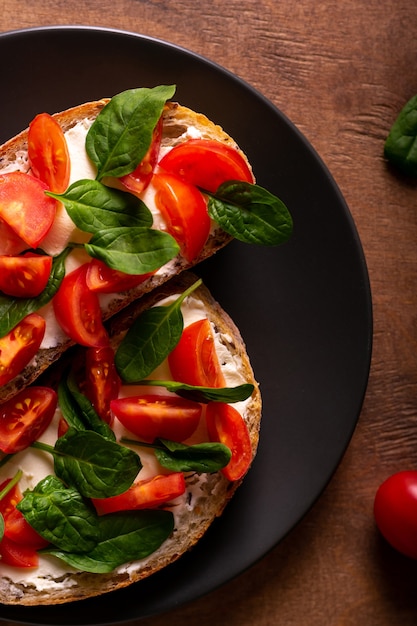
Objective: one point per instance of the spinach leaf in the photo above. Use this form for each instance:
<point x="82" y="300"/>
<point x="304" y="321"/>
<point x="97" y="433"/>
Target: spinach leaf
<point x="60" y="515"/>
<point x="13" y="310"/>
<point x="69" y="409"/>
<point x="204" y="394"/>
<point x="1" y="526"/>
<point x="122" y="132"/>
<point x="150" y="339"/>
<point x="250" y="213"/>
<point x="133" y="250"/>
<point x="401" y="144"/>
<point x="82" y="411"/>
<point x="200" y="458"/>
<point x="124" y="537"/>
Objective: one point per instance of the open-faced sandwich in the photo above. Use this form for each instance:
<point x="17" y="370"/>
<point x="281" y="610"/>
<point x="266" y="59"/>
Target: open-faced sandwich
<point x="117" y="459"/>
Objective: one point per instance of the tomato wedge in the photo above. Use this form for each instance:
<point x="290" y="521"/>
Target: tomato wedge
<point x="140" y="178"/>
<point x="145" y="494"/>
<point x="20" y="345"/>
<point x="17" y="529"/>
<point x="102" y="382"/>
<point x="17" y="555"/>
<point x="184" y="210"/>
<point x="25" y="207"/>
<point x="48" y="152"/>
<point x="206" y="163"/>
<point x="194" y="359"/>
<point x="77" y="310"/>
<point x="151" y="416"/>
<point x="24" y="276"/>
<point x="25" y="417"/>
<point x="100" y="278"/>
<point x="226" y="425"/>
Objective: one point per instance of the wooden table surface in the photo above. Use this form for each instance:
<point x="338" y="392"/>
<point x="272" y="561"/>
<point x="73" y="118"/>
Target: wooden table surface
<point x="340" y="70"/>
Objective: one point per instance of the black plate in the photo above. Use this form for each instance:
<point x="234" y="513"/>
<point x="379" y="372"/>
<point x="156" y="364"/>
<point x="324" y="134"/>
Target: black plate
<point x="304" y="309"/>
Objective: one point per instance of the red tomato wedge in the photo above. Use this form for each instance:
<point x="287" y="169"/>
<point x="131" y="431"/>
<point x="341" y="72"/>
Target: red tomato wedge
<point x="24" y="276"/>
<point x="25" y="417"/>
<point x="206" y="163"/>
<point x="25" y="207"/>
<point x="140" y="178"/>
<point x="100" y="278"/>
<point x="102" y="383"/>
<point x="48" y="153"/>
<point x="17" y="555"/>
<point x="145" y="494"/>
<point x="194" y="359"/>
<point x="152" y="416"/>
<point x="17" y="529"/>
<point x="226" y="425"/>
<point x="20" y="345"/>
<point x="77" y="310"/>
<point x="184" y="210"/>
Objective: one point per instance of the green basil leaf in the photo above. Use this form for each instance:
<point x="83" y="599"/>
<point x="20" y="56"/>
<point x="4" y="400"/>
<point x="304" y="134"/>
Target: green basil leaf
<point x="230" y="395"/>
<point x="13" y="310"/>
<point x="401" y="144"/>
<point x="150" y="339"/>
<point x="200" y="458"/>
<point x="93" y="207"/>
<point x="85" y="411"/>
<point x="133" y="250"/>
<point x="124" y="537"/>
<point x="121" y="134"/>
<point x="95" y="466"/>
<point x="60" y="515"/>
<point x="250" y="213"/>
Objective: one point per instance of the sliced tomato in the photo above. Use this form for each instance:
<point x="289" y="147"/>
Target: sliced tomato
<point x="77" y="310"/>
<point x="206" y="163"/>
<point x="17" y="555"/>
<point x="226" y="425"/>
<point x="10" y="499"/>
<point x="101" y="278"/>
<point x="24" y="276"/>
<point x="25" y="207"/>
<point x="194" y="359"/>
<point x="145" y="494"/>
<point x="25" y="417"/>
<point x="48" y="152"/>
<point x="102" y="383"/>
<point x="140" y="178"/>
<point x="17" y="529"/>
<point x="20" y="345"/>
<point x="151" y="416"/>
<point x="184" y="210"/>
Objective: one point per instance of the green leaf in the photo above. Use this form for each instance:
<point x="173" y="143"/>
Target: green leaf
<point x="133" y="250"/>
<point x="401" y="144"/>
<point x="1" y="526"/>
<point x="97" y="467"/>
<point x="150" y="339"/>
<point x="203" y="395"/>
<point x="124" y="537"/>
<point x="85" y="412"/>
<point x="60" y="515"/>
<point x="200" y="458"/>
<point x="69" y="408"/>
<point x="93" y="207"/>
<point x="250" y="213"/>
<point x="122" y="133"/>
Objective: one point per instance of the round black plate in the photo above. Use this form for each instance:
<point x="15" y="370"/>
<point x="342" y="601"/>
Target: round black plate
<point x="304" y="309"/>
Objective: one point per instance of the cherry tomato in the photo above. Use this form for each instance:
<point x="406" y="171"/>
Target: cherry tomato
<point x="151" y="416"/>
<point x="226" y="425"/>
<point x="17" y="529"/>
<point x="140" y="178"/>
<point x="77" y="310"/>
<point x="102" y="382"/>
<point x="20" y="345"/>
<point x="25" y="417"/>
<point x="48" y="152"/>
<point x="395" y="511"/>
<point x="184" y="210"/>
<point x="17" y="555"/>
<point x="25" y="207"/>
<point x="101" y="278"/>
<point x="24" y="276"/>
<point x="206" y="163"/>
<point x="10" y="499"/>
<point x="194" y="359"/>
<point x="145" y="494"/>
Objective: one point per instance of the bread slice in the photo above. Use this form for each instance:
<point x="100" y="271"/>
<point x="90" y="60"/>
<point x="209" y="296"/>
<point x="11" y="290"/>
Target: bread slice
<point x="206" y="495"/>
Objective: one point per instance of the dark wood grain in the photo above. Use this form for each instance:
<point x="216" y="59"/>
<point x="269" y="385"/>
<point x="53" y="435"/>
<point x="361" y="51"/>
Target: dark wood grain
<point x="340" y="70"/>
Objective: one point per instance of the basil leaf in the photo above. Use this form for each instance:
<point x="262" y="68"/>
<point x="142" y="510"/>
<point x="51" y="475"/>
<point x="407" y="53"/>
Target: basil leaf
<point x="97" y="467"/>
<point x="93" y="207"/>
<point x="121" y="134"/>
<point x="86" y="414"/>
<point x="60" y="515"/>
<point x="200" y="458"/>
<point x="150" y="339"/>
<point x="401" y="144"/>
<point x="124" y="537"/>
<point x="250" y="213"/>
<point x="13" y="310"/>
<point x="204" y="394"/>
<point x="133" y="250"/>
